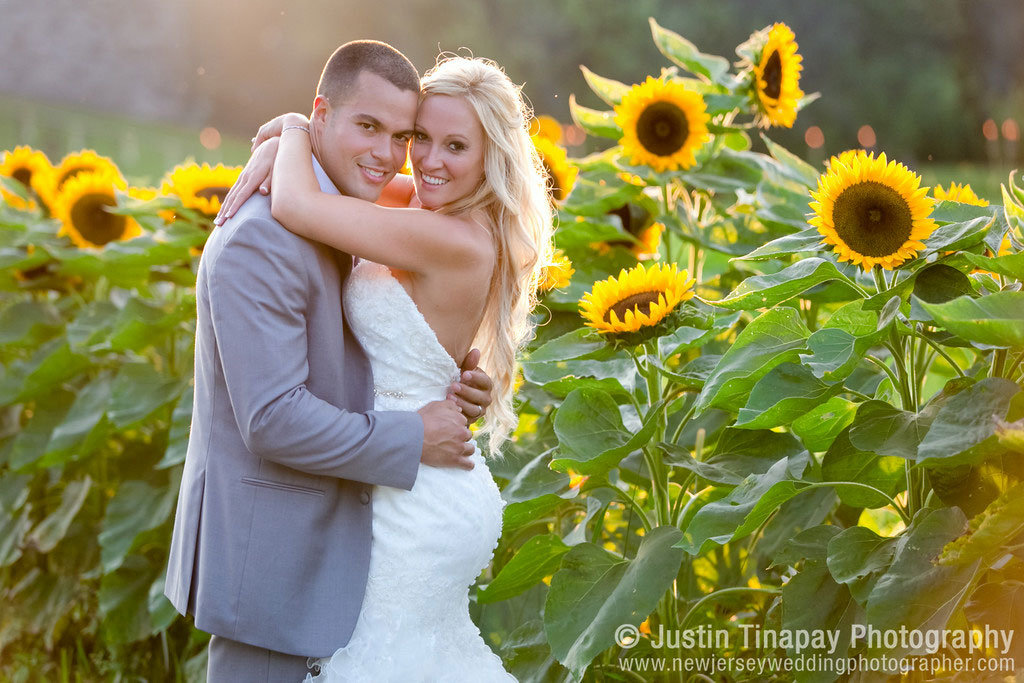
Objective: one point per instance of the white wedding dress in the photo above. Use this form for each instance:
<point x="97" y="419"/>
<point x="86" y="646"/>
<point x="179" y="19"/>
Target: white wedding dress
<point x="430" y="543"/>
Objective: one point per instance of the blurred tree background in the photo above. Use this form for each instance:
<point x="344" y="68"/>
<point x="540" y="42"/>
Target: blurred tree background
<point x="917" y="79"/>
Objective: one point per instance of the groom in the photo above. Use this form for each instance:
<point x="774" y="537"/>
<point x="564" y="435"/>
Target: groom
<point x="272" y="533"/>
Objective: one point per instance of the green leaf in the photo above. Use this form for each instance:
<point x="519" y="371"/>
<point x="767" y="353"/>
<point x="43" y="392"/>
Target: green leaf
<point x="31" y="442"/>
<point x="798" y="242"/>
<point x="834" y="354"/>
<point x="810" y="545"/>
<point x="787" y="392"/>
<point x="124" y="601"/>
<point x="763" y="291"/>
<point x="81" y="420"/>
<point x="598" y="123"/>
<point x="795" y="168"/>
<point x="136" y="507"/>
<point x="996" y="319"/>
<point x="12" y="535"/>
<point x="964" y="429"/>
<point x="28" y="323"/>
<point x="539" y="557"/>
<point x="773" y="338"/>
<point x="49" y="532"/>
<point x="940" y="283"/>
<point x="591" y="436"/>
<point x="742" y="510"/>
<point x="820" y="426"/>
<point x="844" y="462"/>
<point x="521" y="513"/>
<point x="685" y="54"/>
<point x="608" y="89"/>
<point x="857" y="557"/>
<point x="177" y="438"/>
<point x="886" y="430"/>
<point x="738" y="454"/>
<point x="915" y="592"/>
<point x="139" y="390"/>
<point x="957" y="236"/>
<point x="48" y="368"/>
<point x="596" y="591"/>
<point x="812" y="602"/>
<point x="1011" y="265"/>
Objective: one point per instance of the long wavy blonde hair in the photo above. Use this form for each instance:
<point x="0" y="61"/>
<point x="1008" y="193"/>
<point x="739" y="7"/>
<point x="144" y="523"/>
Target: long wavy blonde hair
<point x="513" y="194"/>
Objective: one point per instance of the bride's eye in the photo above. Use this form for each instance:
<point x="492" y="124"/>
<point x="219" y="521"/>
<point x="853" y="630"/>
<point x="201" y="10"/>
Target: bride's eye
<point x="456" y="146"/>
<point x="419" y="137"/>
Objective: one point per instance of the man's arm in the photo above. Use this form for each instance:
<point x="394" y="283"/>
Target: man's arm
<point x="258" y="305"/>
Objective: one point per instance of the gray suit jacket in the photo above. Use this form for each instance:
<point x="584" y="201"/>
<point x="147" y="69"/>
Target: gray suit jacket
<point x="271" y="537"/>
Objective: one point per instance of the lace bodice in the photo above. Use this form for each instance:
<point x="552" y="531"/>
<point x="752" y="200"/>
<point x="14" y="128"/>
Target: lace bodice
<point x="430" y="543"/>
<point x="410" y="367"/>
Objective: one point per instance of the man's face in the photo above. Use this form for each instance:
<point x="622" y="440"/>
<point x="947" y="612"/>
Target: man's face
<point x="361" y="142"/>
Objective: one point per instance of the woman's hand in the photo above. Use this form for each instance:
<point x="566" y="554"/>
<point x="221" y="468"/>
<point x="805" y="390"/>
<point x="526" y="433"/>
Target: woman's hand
<point x="272" y="128"/>
<point x="257" y="173"/>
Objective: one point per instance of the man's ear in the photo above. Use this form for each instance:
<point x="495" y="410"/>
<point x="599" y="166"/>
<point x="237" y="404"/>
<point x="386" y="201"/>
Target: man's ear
<point x="321" y="107"/>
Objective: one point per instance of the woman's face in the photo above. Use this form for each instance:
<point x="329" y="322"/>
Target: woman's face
<point x="447" y="150"/>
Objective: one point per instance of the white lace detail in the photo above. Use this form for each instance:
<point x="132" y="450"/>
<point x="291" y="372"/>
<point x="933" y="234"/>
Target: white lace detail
<point x="430" y="543"/>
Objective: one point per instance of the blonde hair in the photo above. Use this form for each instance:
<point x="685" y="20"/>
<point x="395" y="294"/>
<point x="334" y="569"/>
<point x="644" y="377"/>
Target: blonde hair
<point x="513" y="195"/>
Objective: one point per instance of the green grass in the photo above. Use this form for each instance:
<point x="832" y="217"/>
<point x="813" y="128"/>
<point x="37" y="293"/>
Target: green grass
<point x="984" y="180"/>
<point x="143" y="150"/>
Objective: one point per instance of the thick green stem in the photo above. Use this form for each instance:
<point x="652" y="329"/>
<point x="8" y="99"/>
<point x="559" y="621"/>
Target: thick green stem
<point x="942" y="352"/>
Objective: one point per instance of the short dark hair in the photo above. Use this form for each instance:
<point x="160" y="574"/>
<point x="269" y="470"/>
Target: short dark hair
<point x="348" y="61"/>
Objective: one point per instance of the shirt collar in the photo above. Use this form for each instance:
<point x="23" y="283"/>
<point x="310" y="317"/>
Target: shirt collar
<point x="321" y="176"/>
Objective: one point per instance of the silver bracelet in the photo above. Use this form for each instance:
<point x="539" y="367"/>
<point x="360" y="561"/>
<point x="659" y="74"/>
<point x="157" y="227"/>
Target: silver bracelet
<point x="296" y="128"/>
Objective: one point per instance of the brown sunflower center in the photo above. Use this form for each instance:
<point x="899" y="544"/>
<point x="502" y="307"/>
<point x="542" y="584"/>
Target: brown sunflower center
<point x="772" y="75"/>
<point x="218" y="191"/>
<point x="872" y="219"/>
<point x="23" y="176"/>
<point x="556" y="187"/>
<point x="638" y="303"/>
<point x="662" y="129"/>
<point x="94" y="222"/>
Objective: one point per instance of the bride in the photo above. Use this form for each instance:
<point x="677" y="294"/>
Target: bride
<point x="451" y="265"/>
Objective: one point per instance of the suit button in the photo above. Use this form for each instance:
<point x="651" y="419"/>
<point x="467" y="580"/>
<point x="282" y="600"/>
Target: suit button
<point x="364" y="497"/>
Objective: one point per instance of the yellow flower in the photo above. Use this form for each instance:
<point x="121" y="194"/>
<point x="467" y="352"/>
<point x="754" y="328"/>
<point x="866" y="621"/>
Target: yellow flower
<point x="777" y="78"/>
<point x="638" y="298"/>
<point x="845" y="157"/>
<point x="70" y="166"/>
<point x="558" y="273"/>
<point x="663" y="124"/>
<point x="28" y="166"/>
<point x="561" y="174"/>
<point x="83" y="207"/>
<point x="959" y="193"/>
<point x="201" y="187"/>
<point x="546" y="127"/>
<point x="873" y="211"/>
<point x="650" y="240"/>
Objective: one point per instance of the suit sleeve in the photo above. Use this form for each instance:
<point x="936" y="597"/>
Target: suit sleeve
<point x="258" y="293"/>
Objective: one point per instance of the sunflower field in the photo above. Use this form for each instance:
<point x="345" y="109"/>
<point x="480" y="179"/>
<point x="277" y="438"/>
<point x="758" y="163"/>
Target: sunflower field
<point x="763" y="397"/>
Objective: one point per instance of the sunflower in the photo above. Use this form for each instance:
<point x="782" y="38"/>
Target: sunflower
<point x="845" y="157"/>
<point x="28" y="166"/>
<point x="70" y="166"/>
<point x="777" y="78"/>
<point x="663" y="124"/>
<point x="561" y="174"/>
<point x="637" y="301"/>
<point x="83" y="207"/>
<point x="649" y="241"/>
<point x="873" y="211"/>
<point x="201" y="187"/>
<point x="959" y="193"/>
<point x="558" y="273"/>
<point x="546" y="127"/>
